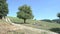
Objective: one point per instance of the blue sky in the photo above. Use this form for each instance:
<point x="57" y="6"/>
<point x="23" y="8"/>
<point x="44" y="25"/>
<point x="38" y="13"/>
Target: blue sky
<point x="42" y="9"/>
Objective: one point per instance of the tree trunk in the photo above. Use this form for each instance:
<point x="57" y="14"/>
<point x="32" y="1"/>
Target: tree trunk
<point x="24" y="20"/>
<point x="0" y="17"/>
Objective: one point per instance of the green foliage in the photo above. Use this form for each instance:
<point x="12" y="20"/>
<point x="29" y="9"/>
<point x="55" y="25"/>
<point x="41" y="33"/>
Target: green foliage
<point x="25" y="12"/>
<point x="55" y="30"/>
<point x="58" y="15"/>
<point x="3" y="8"/>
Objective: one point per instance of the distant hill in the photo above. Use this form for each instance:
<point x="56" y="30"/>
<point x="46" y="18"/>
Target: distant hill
<point x="47" y="20"/>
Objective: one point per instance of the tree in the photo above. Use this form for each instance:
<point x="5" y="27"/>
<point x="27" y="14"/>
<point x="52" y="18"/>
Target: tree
<point x="58" y="15"/>
<point x="3" y="8"/>
<point x="25" y="12"/>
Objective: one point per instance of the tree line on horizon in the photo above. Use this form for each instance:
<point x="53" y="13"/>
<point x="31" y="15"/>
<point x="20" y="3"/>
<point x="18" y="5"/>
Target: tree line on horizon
<point x="53" y="20"/>
<point x="24" y="12"/>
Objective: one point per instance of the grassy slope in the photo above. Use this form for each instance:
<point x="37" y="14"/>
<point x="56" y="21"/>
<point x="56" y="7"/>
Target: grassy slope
<point x="6" y="27"/>
<point x="37" y="24"/>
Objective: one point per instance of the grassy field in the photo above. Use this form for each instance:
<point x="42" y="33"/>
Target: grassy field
<point x="38" y="24"/>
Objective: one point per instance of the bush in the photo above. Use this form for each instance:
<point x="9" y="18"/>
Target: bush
<point x="55" y="30"/>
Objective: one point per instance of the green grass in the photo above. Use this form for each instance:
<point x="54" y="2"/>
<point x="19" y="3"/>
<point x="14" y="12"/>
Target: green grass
<point x="18" y="21"/>
<point x="45" y="25"/>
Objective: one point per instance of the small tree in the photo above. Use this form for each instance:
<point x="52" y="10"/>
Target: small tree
<point x="24" y="13"/>
<point x="58" y="15"/>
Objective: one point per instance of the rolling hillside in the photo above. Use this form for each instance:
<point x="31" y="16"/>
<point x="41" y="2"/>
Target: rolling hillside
<point x="55" y="27"/>
<point x="7" y="28"/>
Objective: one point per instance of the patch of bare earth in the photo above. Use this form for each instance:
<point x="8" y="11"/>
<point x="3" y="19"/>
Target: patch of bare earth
<point x="5" y="28"/>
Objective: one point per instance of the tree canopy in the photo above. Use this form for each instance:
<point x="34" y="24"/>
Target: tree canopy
<point x="3" y="8"/>
<point x="25" y="12"/>
<point x="58" y="15"/>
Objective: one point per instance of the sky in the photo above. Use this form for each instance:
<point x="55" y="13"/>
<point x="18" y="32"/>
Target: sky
<point x="41" y="9"/>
